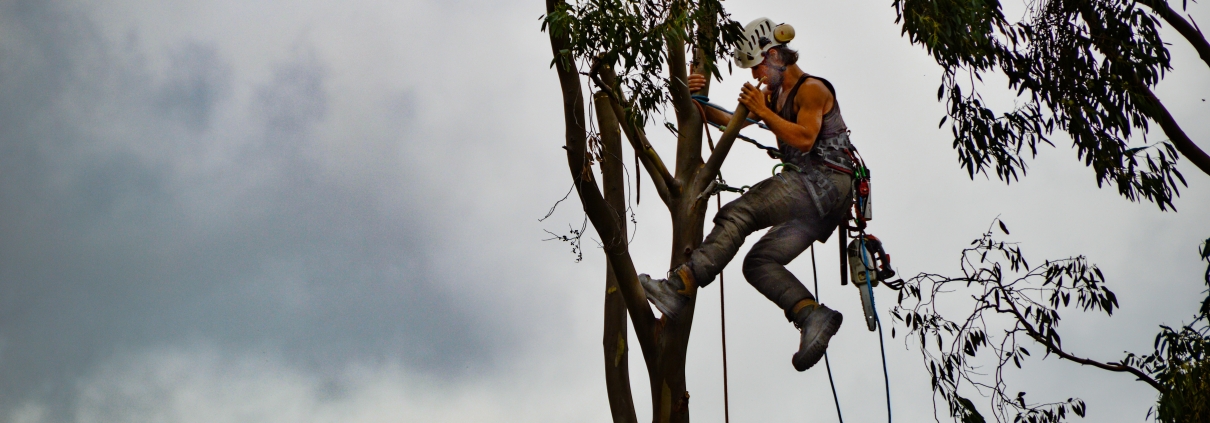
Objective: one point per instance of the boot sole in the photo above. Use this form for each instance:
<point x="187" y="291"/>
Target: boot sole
<point x="815" y="349"/>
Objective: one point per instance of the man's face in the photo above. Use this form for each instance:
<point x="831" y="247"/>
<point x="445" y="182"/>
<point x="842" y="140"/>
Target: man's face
<point x="769" y="69"/>
<point x="758" y="71"/>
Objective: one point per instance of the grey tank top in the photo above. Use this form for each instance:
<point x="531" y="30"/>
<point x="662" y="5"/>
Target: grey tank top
<point x="830" y="146"/>
<point x="830" y="153"/>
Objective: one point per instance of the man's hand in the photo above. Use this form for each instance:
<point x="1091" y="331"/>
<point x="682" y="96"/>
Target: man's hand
<point x="696" y="82"/>
<point x="754" y="99"/>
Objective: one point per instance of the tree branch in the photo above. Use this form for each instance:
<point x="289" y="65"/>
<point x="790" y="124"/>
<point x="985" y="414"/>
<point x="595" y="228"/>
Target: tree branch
<point x="604" y="219"/>
<point x="665" y="184"/>
<point x="710" y="171"/>
<point x="689" y="121"/>
<point x="1174" y="132"/>
<point x="613" y="338"/>
<point x="1153" y="107"/>
<point x="1187" y="30"/>
<point x="1051" y="347"/>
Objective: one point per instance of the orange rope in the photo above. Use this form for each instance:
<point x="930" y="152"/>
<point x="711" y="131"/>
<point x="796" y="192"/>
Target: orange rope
<point x="722" y="311"/>
<point x="722" y="305"/>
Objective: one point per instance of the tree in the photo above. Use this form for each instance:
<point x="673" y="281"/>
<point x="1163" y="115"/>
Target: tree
<point x="624" y="48"/>
<point x="1084" y="67"/>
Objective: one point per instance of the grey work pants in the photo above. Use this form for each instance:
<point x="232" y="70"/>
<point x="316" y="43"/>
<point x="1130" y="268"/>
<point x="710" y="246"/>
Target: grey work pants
<point x="783" y="202"/>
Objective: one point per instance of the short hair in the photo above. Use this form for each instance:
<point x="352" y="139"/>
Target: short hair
<point x="788" y="56"/>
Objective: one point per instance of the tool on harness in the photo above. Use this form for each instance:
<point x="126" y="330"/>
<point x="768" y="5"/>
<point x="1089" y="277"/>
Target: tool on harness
<point x="863" y="259"/>
<point x="868" y="264"/>
<point x="861" y="191"/>
<point x="862" y="206"/>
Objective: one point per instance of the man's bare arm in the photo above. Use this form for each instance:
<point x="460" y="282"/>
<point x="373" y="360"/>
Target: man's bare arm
<point x="812" y="99"/>
<point x="716" y="116"/>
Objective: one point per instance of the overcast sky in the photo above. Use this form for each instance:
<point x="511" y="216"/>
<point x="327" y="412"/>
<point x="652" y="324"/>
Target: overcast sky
<point x="321" y="211"/>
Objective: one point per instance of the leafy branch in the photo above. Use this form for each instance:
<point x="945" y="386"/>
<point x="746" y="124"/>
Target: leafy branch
<point x="632" y="37"/>
<point x="1083" y="67"/>
<point x="1013" y="304"/>
<point x="1181" y="363"/>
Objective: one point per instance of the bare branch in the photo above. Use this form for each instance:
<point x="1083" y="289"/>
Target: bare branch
<point x="665" y="184"/>
<point x="689" y="121"/>
<point x="613" y="338"/>
<point x="715" y="163"/>
<point x="1173" y="130"/>
<point x="1055" y="349"/>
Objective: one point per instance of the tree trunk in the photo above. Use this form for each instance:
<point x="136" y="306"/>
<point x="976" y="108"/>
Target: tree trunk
<point x="664" y="342"/>
<point x="617" y="370"/>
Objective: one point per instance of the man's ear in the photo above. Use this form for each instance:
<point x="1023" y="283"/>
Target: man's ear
<point x="772" y="54"/>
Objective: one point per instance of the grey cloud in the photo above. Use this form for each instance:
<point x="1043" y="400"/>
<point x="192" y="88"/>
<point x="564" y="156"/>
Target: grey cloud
<point x="295" y="98"/>
<point x="197" y="80"/>
<point x="115" y="236"/>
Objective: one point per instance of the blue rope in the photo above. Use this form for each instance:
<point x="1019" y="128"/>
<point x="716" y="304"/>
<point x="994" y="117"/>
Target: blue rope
<point x="706" y="101"/>
<point x="870" y="286"/>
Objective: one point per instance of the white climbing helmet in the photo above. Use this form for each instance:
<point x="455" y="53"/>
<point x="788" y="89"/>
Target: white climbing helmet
<point x="761" y="35"/>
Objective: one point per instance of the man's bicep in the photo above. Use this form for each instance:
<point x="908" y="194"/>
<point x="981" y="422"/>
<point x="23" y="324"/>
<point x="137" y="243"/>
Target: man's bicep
<point x="811" y="119"/>
<point x="813" y="99"/>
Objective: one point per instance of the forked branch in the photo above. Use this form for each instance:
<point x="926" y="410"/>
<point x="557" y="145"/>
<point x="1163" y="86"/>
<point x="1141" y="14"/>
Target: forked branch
<point x="665" y="185"/>
<point x="607" y="222"/>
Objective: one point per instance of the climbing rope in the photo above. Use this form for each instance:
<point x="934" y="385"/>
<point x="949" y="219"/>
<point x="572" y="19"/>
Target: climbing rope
<point x="881" y="343"/>
<point x="715" y="188"/>
<point x="826" y="363"/>
<point x="722" y="313"/>
<point x="773" y="152"/>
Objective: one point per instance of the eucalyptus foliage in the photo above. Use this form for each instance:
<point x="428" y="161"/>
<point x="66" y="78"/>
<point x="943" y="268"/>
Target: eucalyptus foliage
<point x="1181" y="362"/>
<point x="1015" y="307"/>
<point x="1083" y="67"/>
<point x="632" y="38"/>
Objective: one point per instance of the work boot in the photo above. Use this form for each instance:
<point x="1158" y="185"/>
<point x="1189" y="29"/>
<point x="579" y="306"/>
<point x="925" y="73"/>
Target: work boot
<point x="672" y="294"/>
<point x="817" y="324"/>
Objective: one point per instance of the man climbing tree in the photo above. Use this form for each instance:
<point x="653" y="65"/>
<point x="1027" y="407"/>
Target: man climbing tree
<point x="621" y="48"/>
<point x="803" y="204"/>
